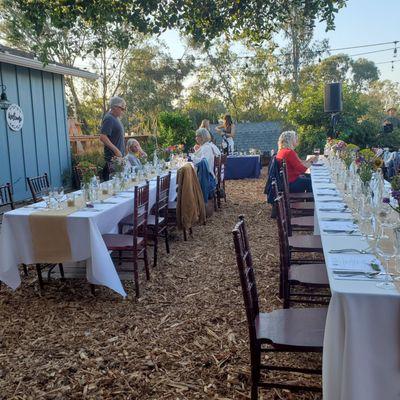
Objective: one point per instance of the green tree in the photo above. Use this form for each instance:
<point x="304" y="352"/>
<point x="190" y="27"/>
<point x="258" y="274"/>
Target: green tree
<point x="357" y="123"/>
<point x="175" y="128"/>
<point x="200" y="105"/>
<point x="365" y="72"/>
<point x="203" y="21"/>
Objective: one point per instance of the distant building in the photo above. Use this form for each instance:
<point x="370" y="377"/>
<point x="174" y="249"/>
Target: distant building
<point x="254" y="135"/>
<point x="34" y="132"/>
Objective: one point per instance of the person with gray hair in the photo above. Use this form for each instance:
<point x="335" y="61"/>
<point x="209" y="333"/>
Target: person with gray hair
<point x="299" y="181"/>
<point x="112" y="133"/>
<point x="134" y="152"/>
<point x="205" y="150"/>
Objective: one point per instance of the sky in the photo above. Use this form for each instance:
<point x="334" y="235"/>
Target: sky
<point x="362" y="22"/>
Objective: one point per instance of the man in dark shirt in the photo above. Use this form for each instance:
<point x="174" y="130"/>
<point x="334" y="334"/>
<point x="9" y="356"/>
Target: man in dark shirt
<point x="112" y="133"/>
<point x="391" y="122"/>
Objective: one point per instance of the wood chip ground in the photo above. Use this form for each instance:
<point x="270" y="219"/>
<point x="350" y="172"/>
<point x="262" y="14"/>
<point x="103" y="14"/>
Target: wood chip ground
<point x="186" y="337"/>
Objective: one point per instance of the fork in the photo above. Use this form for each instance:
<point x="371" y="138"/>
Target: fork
<point x="339" y="251"/>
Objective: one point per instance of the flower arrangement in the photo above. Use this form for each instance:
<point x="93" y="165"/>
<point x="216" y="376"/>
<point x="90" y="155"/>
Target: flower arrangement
<point x="395" y="184"/>
<point x="367" y="162"/>
<point x="87" y="171"/>
<point x="118" y="165"/>
<point x="349" y="154"/>
<point x="338" y="145"/>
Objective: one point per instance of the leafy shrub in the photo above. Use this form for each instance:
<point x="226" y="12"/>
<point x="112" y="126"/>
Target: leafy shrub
<point x="175" y="128"/>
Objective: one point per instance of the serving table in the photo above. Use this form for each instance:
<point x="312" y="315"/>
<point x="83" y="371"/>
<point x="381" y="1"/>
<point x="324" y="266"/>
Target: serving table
<point x="84" y="227"/>
<point x="361" y="356"/>
<point x="243" y="167"/>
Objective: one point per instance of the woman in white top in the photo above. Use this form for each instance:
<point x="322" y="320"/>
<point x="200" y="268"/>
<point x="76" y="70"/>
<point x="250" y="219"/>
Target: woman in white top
<point x="227" y="130"/>
<point x="206" y="149"/>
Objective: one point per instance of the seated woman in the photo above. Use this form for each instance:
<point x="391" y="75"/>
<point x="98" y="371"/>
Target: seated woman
<point x="133" y="152"/>
<point x="296" y="168"/>
<point x="205" y="149"/>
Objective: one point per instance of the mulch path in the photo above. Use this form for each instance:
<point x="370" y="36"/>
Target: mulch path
<point x="186" y="337"/>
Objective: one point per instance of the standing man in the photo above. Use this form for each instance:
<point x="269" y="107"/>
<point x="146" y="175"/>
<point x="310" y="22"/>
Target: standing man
<point x="112" y="133"/>
<point x="391" y="122"/>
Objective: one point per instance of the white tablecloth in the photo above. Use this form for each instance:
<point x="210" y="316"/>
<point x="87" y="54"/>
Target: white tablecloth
<point x="84" y="229"/>
<point x="361" y="358"/>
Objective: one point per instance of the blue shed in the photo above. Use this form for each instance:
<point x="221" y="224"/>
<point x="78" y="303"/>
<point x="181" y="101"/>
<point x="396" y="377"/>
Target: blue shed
<point x="42" y="144"/>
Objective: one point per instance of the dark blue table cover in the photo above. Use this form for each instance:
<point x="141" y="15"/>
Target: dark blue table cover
<point x="242" y="167"/>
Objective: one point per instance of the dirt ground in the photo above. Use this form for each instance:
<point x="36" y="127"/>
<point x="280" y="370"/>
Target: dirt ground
<point x="186" y="337"/>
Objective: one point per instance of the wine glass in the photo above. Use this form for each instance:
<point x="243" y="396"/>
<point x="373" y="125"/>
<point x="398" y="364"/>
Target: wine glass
<point x="385" y="248"/>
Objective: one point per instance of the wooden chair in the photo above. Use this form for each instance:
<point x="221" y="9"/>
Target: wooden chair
<point x="6" y="199"/>
<point x="305" y="223"/>
<point x="285" y="330"/>
<point x="296" y="197"/>
<point x="224" y="158"/>
<point x="298" y="243"/>
<point x="219" y="172"/>
<point x="132" y="243"/>
<point x="157" y="220"/>
<point x="308" y="276"/>
<point x="300" y="207"/>
<point x="38" y="186"/>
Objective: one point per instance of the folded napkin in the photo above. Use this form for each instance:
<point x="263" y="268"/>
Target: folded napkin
<point x="332" y="206"/>
<point x="353" y="262"/>
<point x="338" y="225"/>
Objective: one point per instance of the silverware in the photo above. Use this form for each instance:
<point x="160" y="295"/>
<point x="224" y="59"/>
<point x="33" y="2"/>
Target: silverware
<point x="339" y="251"/>
<point x="348" y="273"/>
<point x="337" y="219"/>
<point x="89" y="209"/>
<point x="108" y="202"/>
<point x="347" y="231"/>
<point x="339" y="210"/>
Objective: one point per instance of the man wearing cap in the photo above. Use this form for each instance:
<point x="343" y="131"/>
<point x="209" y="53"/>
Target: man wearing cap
<point x="112" y="133"/>
<point x="391" y="121"/>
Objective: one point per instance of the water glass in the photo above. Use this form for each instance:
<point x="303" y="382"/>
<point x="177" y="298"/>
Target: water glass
<point x="386" y="249"/>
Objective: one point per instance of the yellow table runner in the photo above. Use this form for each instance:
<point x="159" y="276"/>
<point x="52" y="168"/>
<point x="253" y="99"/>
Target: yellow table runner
<point x="50" y="240"/>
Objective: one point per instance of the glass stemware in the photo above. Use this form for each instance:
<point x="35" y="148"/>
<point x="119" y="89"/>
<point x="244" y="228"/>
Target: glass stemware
<point x="385" y="248"/>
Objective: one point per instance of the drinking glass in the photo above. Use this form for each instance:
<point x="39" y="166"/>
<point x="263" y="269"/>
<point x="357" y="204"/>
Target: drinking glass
<point x="385" y="248"/>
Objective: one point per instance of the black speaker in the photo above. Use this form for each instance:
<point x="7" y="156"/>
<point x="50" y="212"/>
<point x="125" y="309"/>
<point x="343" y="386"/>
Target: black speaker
<point x="333" y="97"/>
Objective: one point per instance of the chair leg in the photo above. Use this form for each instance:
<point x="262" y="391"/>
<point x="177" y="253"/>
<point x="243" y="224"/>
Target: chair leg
<point x="255" y="375"/>
<point x="155" y="251"/>
<point x="25" y="268"/>
<point x="146" y="264"/>
<point x="184" y="235"/>
<point x="40" y="278"/>
<point x="136" y="277"/>
<point x="93" y="289"/>
<point x="61" y="267"/>
<point x="166" y="240"/>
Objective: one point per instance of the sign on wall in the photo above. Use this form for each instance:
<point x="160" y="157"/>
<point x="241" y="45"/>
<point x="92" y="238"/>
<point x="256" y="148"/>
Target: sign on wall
<point x="15" y="117"/>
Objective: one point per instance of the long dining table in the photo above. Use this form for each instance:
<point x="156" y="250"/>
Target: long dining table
<point x="84" y="228"/>
<point x="361" y="356"/>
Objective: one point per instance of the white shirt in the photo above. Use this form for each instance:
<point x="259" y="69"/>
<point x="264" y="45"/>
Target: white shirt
<point x="206" y="151"/>
<point x="215" y="149"/>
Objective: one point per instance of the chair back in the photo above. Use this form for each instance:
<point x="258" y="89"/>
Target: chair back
<point x="247" y="279"/>
<point x="217" y="169"/>
<point x="285" y="195"/>
<point x="140" y="210"/>
<point x="6" y="198"/>
<point x="284" y="250"/>
<point x="224" y="158"/>
<point x="38" y="185"/>
<point x="162" y="197"/>
<point x="78" y="176"/>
